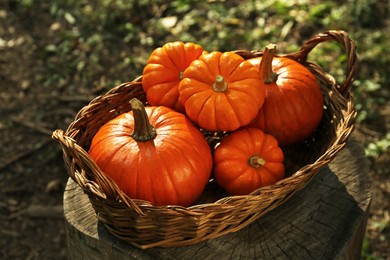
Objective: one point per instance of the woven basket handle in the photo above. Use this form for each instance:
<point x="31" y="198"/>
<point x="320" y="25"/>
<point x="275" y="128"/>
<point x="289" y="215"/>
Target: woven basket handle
<point x="77" y="158"/>
<point x="349" y="47"/>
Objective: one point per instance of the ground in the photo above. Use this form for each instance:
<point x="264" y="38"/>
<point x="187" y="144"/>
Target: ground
<point x="32" y="173"/>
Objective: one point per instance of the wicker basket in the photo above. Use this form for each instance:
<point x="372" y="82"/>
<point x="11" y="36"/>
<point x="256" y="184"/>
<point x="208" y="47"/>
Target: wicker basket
<point x="144" y="225"/>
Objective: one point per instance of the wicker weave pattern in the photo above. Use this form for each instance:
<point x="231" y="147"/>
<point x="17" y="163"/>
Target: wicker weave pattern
<point x="144" y="225"/>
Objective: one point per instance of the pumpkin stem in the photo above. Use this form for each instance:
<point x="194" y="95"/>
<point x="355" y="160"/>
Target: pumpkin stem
<point x="143" y="130"/>
<point x="256" y="161"/>
<point x="220" y="84"/>
<point x="269" y="76"/>
<point x="181" y="75"/>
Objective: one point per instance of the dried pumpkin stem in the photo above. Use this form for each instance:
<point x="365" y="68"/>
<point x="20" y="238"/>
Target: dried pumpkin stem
<point x="256" y="161"/>
<point x="220" y="84"/>
<point x="143" y="130"/>
<point x="269" y="76"/>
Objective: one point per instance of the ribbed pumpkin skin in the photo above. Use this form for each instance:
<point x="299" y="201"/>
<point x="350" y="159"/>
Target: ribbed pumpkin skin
<point x="293" y="105"/>
<point x="232" y="169"/>
<point x="221" y="110"/>
<point x="171" y="169"/>
<point x="162" y="73"/>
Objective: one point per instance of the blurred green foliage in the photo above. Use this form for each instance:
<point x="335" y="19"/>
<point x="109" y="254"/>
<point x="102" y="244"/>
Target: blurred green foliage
<point x="374" y="149"/>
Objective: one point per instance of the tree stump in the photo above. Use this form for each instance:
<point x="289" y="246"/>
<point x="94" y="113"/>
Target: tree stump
<point x="325" y="220"/>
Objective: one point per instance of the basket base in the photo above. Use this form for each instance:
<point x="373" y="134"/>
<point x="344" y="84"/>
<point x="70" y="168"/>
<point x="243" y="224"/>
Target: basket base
<point x="327" y="218"/>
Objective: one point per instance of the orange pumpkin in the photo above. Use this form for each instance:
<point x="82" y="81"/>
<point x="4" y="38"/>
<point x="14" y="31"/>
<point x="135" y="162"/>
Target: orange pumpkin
<point x="221" y="91"/>
<point x="246" y="160"/>
<point x="164" y="70"/>
<point x="155" y="154"/>
<point x="293" y="105"/>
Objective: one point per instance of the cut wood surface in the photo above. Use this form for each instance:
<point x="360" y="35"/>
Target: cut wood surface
<point x="324" y="220"/>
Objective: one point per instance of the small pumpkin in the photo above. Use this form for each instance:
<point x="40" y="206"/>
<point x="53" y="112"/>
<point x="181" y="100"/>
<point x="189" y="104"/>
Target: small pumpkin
<point x="154" y="153"/>
<point x="221" y="91"/>
<point x="164" y="70"/>
<point x="293" y="105"/>
<point x="247" y="160"/>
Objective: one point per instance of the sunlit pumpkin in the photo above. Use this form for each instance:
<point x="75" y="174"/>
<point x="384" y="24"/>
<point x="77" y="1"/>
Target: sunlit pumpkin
<point x="164" y="70"/>
<point x="293" y="105"/>
<point x="221" y="91"/>
<point x="246" y="160"/>
<point x="155" y="154"/>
